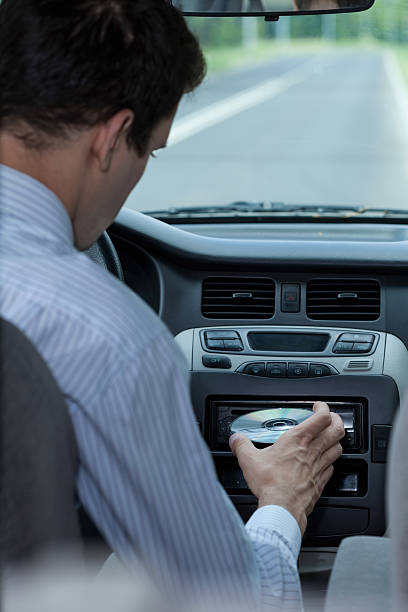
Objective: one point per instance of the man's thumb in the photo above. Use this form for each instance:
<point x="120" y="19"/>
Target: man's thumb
<point x="239" y="444"/>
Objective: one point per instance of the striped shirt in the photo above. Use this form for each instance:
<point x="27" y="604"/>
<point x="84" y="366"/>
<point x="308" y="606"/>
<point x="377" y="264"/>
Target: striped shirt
<point x="145" y="476"/>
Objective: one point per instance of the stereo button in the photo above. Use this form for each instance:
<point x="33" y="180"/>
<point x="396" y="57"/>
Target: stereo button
<point x="216" y="362"/>
<point x="298" y="370"/>
<point x="362" y="347"/>
<point x="349" y="440"/>
<point x="255" y="369"/>
<point x="347" y="416"/>
<point x="215" y="344"/>
<point x="223" y="334"/>
<point x="277" y="369"/>
<point x="318" y="369"/>
<point x="343" y="347"/>
<point x="233" y="345"/>
<point x="357" y="338"/>
<point x="380" y="442"/>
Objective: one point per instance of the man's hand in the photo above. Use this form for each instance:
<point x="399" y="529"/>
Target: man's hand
<point x="293" y="472"/>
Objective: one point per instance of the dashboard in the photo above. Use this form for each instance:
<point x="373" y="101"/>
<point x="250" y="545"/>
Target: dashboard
<point x="280" y="315"/>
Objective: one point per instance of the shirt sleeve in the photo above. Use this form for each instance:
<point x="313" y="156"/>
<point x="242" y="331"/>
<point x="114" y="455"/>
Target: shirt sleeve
<point x="276" y="539"/>
<point x="147" y="478"/>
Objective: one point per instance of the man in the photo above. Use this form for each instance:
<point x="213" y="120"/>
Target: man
<point x="89" y="91"/>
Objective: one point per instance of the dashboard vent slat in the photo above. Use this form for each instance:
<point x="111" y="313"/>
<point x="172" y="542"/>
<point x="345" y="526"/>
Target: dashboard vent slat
<point x="221" y="298"/>
<point x="361" y="364"/>
<point x="343" y="300"/>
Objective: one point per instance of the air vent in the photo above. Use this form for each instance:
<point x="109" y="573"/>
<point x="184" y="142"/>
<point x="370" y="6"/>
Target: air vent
<point x="238" y="298"/>
<point x="343" y="300"/>
<point x="362" y="364"/>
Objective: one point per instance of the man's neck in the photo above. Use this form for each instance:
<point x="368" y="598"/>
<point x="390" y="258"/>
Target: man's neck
<point x="59" y="169"/>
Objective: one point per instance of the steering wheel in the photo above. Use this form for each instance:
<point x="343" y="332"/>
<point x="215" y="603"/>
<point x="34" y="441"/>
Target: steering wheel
<point x="104" y="253"/>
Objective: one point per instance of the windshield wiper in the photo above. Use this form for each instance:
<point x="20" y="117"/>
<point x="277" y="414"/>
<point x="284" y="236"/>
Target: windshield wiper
<point x="267" y="209"/>
<point x="210" y="210"/>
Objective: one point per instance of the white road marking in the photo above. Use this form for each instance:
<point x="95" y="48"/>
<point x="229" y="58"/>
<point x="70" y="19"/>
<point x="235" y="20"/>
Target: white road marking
<point x="398" y="83"/>
<point x="233" y="105"/>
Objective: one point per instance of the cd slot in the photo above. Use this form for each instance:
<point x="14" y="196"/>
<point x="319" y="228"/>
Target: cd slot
<point x="263" y="421"/>
<point x="349" y="479"/>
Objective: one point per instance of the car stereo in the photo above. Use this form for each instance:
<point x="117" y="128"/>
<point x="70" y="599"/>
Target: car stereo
<point x="350" y="474"/>
<point x="222" y="413"/>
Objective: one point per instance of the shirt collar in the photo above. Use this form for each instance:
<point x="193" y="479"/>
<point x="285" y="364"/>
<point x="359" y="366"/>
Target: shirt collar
<point x="26" y="201"/>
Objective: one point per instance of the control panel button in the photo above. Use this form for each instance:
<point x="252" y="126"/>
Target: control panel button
<point x="361" y="347"/>
<point x="380" y="437"/>
<point x="343" y="347"/>
<point x="347" y="416"/>
<point x="290" y="298"/>
<point x="255" y="369"/>
<point x="215" y="344"/>
<point x="211" y="361"/>
<point x="277" y="369"/>
<point x="233" y="345"/>
<point x="349" y="440"/>
<point x="282" y="369"/>
<point x="319" y="369"/>
<point x="223" y="334"/>
<point x="298" y="370"/>
<point x="357" y="338"/>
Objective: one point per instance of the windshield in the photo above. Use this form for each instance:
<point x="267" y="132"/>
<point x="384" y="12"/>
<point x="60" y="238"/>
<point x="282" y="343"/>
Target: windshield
<point x="306" y="111"/>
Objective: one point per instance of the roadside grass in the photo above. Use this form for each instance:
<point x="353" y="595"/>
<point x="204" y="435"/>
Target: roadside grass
<point x="401" y="51"/>
<point x="229" y="58"/>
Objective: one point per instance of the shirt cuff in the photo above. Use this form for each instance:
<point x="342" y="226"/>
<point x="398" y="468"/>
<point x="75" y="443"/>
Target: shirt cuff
<point x="279" y="520"/>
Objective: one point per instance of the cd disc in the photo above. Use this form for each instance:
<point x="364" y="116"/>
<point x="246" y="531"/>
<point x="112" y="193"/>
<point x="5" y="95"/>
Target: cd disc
<point x="266" y="426"/>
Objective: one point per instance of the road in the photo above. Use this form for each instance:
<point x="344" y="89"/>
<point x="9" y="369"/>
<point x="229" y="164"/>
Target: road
<point x="315" y="129"/>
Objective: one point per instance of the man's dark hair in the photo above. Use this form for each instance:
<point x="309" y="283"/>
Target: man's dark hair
<point x="71" y="64"/>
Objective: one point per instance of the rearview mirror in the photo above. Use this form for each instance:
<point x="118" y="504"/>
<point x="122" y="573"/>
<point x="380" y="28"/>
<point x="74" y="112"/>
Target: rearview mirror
<point x="270" y="9"/>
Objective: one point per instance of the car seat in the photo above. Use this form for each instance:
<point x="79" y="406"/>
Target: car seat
<point x="38" y="460"/>
<point x="370" y="573"/>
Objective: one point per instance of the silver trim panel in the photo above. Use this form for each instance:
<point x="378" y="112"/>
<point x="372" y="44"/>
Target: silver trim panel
<point x="389" y="356"/>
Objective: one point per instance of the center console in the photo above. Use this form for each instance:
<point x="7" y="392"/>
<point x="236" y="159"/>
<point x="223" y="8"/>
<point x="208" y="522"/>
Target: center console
<point x="239" y="370"/>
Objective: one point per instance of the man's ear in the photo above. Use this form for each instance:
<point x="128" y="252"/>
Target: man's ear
<point x="108" y="137"/>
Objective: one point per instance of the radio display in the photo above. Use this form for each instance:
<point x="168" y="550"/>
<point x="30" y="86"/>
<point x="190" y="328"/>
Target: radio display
<point x="288" y="342"/>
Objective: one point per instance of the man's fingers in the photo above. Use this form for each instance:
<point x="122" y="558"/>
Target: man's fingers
<point x="338" y="425"/>
<point x="329" y="437"/>
<point x="329" y="456"/>
<point x="314" y="425"/>
<point x="321" y="481"/>
<point x="324" y="478"/>
<point x="321" y="408"/>
<point x="241" y="447"/>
